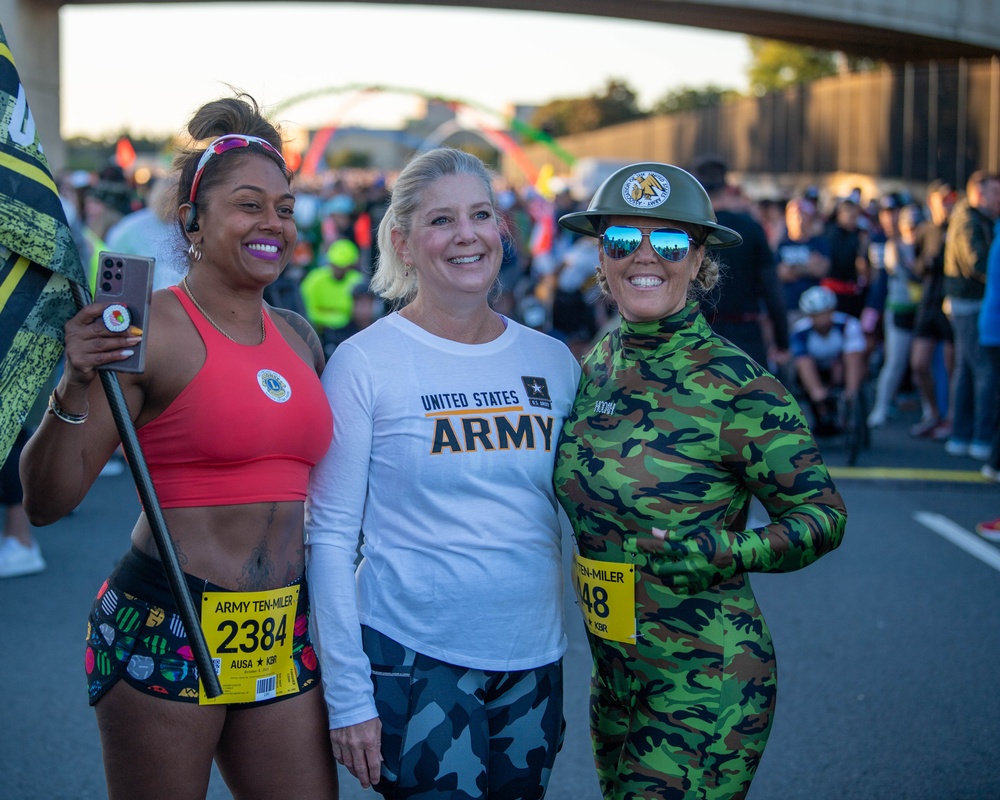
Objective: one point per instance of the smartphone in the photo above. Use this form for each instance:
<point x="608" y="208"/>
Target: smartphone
<point x="126" y="281"/>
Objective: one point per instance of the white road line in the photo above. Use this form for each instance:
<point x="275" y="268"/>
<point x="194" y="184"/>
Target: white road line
<point x="960" y="537"/>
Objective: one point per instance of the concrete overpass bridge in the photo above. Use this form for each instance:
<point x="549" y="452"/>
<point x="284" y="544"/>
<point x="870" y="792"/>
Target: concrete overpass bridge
<point x="891" y="30"/>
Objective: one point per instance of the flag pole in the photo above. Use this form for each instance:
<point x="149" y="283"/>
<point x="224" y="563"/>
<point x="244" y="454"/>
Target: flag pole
<point x="151" y="505"/>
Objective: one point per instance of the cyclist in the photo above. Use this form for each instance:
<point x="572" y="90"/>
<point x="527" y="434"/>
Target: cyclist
<point x="828" y="350"/>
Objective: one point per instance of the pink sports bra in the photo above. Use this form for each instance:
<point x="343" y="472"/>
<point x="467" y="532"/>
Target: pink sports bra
<point x="247" y="428"/>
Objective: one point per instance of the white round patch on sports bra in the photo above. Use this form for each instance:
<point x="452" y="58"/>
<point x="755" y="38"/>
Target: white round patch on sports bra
<point x="646" y="190"/>
<point x="274" y="386"/>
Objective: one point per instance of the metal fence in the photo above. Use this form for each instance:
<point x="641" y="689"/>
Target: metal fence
<point x="905" y="124"/>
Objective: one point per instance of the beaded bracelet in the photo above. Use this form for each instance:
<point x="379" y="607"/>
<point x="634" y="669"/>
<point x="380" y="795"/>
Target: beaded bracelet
<point x="61" y="413"/>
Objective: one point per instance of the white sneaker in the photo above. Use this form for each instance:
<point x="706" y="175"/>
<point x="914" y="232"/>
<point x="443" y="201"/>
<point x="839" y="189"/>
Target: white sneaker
<point x="17" y="560"/>
<point x="980" y="450"/>
<point x="989" y="473"/>
<point x="876" y="419"/>
<point x="956" y="447"/>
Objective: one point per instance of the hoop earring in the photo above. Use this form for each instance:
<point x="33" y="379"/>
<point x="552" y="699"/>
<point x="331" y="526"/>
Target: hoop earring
<point x="408" y="268"/>
<point x="195" y="252"/>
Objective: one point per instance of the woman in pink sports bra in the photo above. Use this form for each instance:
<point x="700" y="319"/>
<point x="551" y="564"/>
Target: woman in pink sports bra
<point x="231" y="417"/>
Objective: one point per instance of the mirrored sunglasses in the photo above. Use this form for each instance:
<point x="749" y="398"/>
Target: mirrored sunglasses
<point x="231" y="141"/>
<point x="669" y="244"/>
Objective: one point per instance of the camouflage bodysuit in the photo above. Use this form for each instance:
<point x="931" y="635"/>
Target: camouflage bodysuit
<point x="675" y="429"/>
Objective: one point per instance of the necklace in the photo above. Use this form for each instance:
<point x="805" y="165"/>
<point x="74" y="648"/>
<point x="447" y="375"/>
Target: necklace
<point x="204" y="313"/>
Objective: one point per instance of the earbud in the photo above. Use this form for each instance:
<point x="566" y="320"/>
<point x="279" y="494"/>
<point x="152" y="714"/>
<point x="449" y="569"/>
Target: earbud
<point x="191" y="223"/>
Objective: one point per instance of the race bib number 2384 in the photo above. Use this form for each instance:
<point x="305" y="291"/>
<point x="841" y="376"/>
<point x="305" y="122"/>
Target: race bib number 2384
<point x="250" y="635"/>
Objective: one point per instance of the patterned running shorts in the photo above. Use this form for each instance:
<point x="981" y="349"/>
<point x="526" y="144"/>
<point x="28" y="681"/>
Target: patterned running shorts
<point x="135" y="634"/>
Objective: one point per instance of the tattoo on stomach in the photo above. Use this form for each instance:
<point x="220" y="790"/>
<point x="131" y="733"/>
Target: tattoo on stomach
<point x="258" y="570"/>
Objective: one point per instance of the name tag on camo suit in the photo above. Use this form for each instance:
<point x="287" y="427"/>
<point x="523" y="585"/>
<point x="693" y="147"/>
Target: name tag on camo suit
<point x="606" y="592"/>
<point x="250" y="636"/>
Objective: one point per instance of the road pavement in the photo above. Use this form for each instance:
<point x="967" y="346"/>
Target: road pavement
<point x="886" y="648"/>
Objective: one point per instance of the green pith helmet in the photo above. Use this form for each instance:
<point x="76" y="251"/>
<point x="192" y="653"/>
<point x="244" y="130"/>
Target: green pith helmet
<point x="661" y="192"/>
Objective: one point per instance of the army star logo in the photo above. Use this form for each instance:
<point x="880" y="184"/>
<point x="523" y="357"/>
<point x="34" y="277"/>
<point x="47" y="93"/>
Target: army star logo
<point x="538" y="391"/>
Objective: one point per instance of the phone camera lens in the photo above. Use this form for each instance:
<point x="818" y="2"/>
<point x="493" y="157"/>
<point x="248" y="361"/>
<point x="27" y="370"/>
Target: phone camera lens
<point x="108" y="263"/>
<point x="107" y="274"/>
<point x="106" y="286"/>
<point x="119" y="264"/>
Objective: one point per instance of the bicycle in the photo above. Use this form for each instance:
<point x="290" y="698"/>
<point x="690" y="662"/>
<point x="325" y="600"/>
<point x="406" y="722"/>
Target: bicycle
<point x="844" y="418"/>
<point x="852" y="412"/>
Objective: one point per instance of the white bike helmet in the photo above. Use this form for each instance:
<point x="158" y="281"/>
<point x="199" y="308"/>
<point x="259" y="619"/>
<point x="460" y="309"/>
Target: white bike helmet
<point x="816" y="300"/>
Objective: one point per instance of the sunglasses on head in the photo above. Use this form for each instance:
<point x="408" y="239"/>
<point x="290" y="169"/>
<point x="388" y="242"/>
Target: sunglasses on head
<point x="669" y="244"/>
<point x="231" y="141"/>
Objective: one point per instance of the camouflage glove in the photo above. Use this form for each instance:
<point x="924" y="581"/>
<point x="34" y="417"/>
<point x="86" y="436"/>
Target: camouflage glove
<point x="702" y="559"/>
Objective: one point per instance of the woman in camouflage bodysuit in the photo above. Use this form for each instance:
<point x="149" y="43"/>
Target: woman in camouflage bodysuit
<point x="674" y="430"/>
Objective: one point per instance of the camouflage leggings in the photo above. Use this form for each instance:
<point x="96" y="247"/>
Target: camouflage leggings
<point x="675" y="718"/>
<point x="450" y="731"/>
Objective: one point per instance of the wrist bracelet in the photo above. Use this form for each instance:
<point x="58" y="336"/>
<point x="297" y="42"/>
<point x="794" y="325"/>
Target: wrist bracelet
<point x="59" y="412"/>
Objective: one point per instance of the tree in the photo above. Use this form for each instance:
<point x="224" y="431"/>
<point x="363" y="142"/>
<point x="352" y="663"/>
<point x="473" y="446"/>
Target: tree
<point x="618" y="103"/>
<point x="776" y="65"/>
<point x="343" y="159"/>
<point x="688" y="98"/>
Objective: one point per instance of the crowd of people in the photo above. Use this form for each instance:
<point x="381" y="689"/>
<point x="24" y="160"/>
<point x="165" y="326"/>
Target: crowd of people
<point x="369" y="394"/>
<point x="909" y="268"/>
<point x="888" y="260"/>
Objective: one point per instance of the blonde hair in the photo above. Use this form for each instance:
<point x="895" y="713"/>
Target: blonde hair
<point x="394" y="280"/>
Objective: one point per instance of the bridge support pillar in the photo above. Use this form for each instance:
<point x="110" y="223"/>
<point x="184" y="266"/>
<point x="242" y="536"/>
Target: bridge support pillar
<point x="32" y="31"/>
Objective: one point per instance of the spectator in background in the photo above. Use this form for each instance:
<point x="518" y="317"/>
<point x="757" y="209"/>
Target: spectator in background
<point x="848" y="241"/>
<point x="71" y="188"/>
<point x="516" y="252"/>
<point x="338" y="219"/>
<point x="989" y="342"/>
<point x="549" y="245"/>
<point x="152" y="231"/>
<point x="376" y="202"/>
<point x="885" y="228"/>
<point x="973" y="390"/>
<point x="772" y="219"/>
<point x="328" y="293"/>
<point x="19" y="552"/>
<point x="578" y="310"/>
<point x="104" y="204"/>
<point x="903" y="289"/>
<point x="829" y="350"/>
<point x="932" y="327"/>
<point x="748" y="286"/>
<point x="803" y="255"/>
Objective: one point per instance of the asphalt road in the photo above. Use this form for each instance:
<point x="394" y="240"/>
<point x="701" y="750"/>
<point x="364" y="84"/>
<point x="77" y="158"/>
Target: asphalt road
<point x="888" y="649"/>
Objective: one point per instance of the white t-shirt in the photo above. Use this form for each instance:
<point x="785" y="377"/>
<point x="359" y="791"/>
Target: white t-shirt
<point x="844" y="336"/>
<point x="442" y="455"/>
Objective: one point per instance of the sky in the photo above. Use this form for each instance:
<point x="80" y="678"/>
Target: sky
<point x="145" y="68"/>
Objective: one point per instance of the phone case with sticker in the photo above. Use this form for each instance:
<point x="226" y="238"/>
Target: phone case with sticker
<point x="126" y="281"/>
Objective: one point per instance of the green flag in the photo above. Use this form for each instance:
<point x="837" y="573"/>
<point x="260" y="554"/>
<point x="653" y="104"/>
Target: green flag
<point x="38" y="258"/>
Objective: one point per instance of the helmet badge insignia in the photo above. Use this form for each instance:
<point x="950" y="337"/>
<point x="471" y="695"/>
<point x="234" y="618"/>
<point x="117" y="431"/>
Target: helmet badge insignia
<point x="646" y="190"/>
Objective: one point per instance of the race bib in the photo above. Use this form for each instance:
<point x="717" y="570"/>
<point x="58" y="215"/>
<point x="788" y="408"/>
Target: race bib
<point x="249" y="636"/>
<point x="606" y="592"/>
